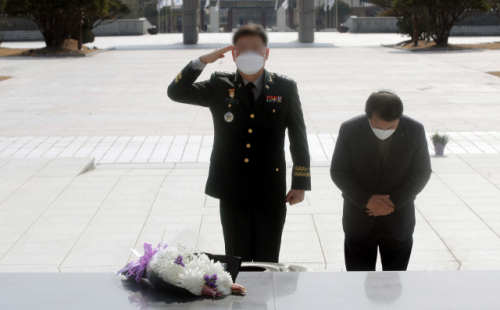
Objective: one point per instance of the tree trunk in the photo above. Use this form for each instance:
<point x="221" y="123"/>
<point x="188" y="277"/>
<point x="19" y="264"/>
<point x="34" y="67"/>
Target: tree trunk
<point x="56" y="29"/>
<point x="441" y="37"/>
<point x="54" y="41"/>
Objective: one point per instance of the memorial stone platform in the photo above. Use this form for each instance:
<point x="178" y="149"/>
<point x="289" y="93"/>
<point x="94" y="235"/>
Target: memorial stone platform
<point x="280" y="291"/>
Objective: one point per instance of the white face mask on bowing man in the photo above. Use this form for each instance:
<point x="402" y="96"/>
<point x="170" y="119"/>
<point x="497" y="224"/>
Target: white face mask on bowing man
<point x="381" y="128"/>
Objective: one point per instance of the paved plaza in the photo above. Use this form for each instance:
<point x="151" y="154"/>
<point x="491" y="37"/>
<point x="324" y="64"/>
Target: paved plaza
<point x="95" y="159"/>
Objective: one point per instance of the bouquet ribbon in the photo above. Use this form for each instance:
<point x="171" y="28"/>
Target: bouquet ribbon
<point x="138" y="267"/>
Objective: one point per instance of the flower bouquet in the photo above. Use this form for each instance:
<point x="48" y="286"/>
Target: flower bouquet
<point x="180" y="270"/>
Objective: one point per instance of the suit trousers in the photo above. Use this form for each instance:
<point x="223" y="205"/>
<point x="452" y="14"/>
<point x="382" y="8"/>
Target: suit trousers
<point x="361" y="255"/>
<point x="252" y="232"/>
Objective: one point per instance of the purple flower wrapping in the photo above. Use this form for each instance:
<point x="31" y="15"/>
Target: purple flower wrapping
<point x="138" y="267"/>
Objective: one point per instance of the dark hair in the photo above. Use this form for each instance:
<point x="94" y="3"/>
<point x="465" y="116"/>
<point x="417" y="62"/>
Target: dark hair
<point x="387" y="105"/>
<point x="250" y="30"/>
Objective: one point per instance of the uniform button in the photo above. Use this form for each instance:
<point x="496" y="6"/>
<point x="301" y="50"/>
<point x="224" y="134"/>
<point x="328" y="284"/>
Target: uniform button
<point x="274" y="110"/>
<point x="252" y="116"/>
<point x="229" y="105"/>
<point x="248" y="145"/>
<point x="250" y="130"/>
<point x="277" y="169"/>
<point x="246" y="160"/>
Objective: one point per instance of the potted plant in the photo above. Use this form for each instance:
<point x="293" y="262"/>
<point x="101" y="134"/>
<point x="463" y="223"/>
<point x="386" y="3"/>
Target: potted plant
<point x="153" y="30"/>
<point x="343" y="29"/>
<point x="439" y="141"/>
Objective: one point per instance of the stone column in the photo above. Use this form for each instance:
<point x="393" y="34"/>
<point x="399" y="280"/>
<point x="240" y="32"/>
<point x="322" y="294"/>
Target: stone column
<point x="190" y="21"/>
<point x="202" y="16"/>
<point x="263" y="17"/>
<point x="230" y="18"/>
<point x="214" y="19"/>
<point x="281" y="20"/>
<point x="306" y="21"/>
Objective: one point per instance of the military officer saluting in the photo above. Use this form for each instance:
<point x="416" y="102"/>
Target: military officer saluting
<point x="251" y="110"/>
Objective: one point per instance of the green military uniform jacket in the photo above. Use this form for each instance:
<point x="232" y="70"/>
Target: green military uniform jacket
<point x="247" y="164"/>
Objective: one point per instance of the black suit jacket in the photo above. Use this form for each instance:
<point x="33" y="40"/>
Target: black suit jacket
<point x="357" y="172"/>
<point x="247" y="164"/>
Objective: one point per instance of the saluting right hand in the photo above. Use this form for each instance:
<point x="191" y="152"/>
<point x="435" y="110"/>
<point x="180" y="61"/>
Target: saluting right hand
<point x="217" y="54"/>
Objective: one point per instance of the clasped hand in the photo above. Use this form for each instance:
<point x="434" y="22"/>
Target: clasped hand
<point x="380" y="205"/>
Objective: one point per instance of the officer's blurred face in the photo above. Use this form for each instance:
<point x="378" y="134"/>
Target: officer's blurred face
<point x="250" y="43"/>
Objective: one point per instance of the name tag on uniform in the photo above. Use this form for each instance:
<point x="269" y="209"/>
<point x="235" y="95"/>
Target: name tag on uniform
<point x="274" y="99"/>
<point x="232" y="100"/>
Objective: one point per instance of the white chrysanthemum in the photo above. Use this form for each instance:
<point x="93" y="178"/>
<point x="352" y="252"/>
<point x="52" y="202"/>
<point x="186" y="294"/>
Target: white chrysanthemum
<point x="192" y="280"/>
<point x="169" y="272"/>
<point x="224" y="280"/>
<point x="163" y="265"/>
<point x="191" y="276"/>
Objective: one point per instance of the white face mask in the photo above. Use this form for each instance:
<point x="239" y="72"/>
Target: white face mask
<point x="383" y="134"/>
<point x="250" y="62"/>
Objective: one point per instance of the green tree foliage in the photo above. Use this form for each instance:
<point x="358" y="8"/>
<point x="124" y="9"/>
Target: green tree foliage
<point x="495" y="6"/>
<point x="436" y="17"/>
<point x="87" y="34"/>
<point x="116" y="10"/>
<point x="404" y="16"/>
<point x="405" y="23"/>
<point x="55" y="18"/>
<point x="441" y="15"/>
<point x="138" y="8"/>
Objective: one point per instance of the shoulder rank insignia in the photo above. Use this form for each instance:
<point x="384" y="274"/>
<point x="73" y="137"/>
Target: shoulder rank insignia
<point x="284" y="77"/>
<point x="277" y="99"/>
<point x="231" y="93"/>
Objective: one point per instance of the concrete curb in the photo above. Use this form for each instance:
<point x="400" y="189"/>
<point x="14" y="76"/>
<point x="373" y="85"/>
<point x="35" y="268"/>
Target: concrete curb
<point x="433" y="51"/>
<point x="89" y="167"/>
<point x="59" y="56"/>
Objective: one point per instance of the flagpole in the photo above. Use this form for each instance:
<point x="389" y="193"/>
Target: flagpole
<point x="337" y="14"/>
<point x="171" y="16"/>
<point x="326" y="15"/>
<point x="159" y="22"/>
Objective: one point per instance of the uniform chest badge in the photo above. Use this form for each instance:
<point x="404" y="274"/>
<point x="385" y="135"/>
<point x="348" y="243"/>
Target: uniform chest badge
<point x="228" y="117"/>
<point x="277" y="99"/>
<point x="231" y="93"/>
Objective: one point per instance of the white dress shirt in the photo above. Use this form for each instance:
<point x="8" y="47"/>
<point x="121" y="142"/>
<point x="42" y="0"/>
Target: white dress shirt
<point x="196" y="64"/>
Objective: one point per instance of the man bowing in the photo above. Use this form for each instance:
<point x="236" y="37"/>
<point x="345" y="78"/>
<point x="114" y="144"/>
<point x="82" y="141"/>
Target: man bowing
<point x="380" y="163"/>
<point x="251" y="110"/>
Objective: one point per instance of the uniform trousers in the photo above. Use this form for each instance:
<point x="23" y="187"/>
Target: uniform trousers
<point x="252" y="231"/>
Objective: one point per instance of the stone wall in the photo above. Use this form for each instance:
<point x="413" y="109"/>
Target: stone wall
<point x="486" y="19"/>
<point x="124" y="27"/>
<point x="23" y="35"/>
<point x="24" y="30"/>
<point x="372" y="24"/>
<point x="487" y="24"/>
<point x="475" y="31"/>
